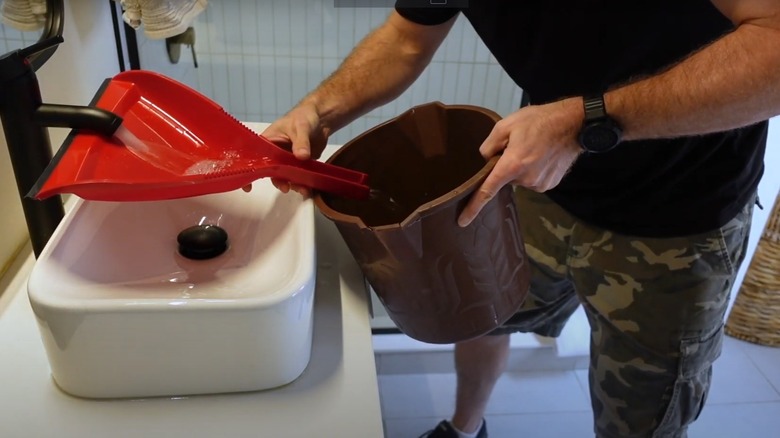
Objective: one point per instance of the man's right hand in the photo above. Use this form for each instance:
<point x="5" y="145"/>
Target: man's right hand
<point x="301" y="131"/>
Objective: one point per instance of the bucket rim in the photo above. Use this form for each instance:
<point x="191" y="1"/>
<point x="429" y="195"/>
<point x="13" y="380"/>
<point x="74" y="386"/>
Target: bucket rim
<point x="428" y="208"/>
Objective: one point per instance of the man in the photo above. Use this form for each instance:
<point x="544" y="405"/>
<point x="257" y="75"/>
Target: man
<point x="636" y="167"/>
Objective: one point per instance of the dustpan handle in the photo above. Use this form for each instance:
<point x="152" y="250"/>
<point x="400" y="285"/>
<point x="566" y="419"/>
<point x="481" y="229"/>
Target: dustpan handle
<point x="287" y="158"/>
<point x="330" y="180"/>
<point x="334" y="171"/>
<point x="326" y="170"/>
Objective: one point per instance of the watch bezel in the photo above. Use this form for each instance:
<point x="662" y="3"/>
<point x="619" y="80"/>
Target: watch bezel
<point x="596" y="118"/>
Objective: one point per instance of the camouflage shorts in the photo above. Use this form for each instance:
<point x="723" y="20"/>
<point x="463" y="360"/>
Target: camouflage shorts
<point x="655" y="306"/>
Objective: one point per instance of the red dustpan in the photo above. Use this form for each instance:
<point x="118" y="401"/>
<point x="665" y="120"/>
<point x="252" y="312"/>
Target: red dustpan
<point x="176" y="143"/>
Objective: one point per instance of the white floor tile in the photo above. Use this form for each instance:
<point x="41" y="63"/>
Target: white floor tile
<point x="582" y="378"/>
<point x="417" y="395"/>
<point x="767" y="359"/>
<point x="754" y="420"/>
<point x="527" y="392"/>
<point x="553" y="425"/>
<point x="736" y="379"/>
<point x="432" y="395"/>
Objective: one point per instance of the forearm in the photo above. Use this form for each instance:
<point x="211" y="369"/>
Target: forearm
<point x="378" y="70"/>
<point x="732" y="83"/>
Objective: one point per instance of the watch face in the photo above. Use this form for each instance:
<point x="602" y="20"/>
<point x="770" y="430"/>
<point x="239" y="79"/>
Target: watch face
<point x="599" y="138"/>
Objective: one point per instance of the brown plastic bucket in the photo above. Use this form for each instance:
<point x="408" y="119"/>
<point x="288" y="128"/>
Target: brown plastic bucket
<point x="439" y="283"/>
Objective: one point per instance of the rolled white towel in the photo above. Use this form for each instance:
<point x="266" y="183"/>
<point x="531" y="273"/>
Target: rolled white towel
<point x="38" y="7"/>
<point x="132" y="12"/>
<point x="19" y="15"/>
<point x="162" y="18"/>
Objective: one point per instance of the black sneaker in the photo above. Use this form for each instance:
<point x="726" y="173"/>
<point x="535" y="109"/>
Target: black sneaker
<point x="445" y="430"/>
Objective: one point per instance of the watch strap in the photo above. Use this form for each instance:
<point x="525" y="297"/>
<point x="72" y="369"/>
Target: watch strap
<point x="599" y="132"/>
<point x="594" y="107"/>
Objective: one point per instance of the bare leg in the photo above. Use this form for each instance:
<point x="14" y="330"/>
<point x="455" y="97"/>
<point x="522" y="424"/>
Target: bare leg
<point x="478" y="364"/>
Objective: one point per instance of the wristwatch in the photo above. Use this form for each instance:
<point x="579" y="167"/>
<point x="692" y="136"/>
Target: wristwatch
<point x="600" y="133"/>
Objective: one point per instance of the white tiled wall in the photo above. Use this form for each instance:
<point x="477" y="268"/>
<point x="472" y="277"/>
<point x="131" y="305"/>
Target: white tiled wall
<point x="153" y="56"/>
<point x="258" y="58"/>
<point x="12" y="39"/>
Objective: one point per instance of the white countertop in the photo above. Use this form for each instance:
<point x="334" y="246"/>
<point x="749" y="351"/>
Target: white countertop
<point x="336" y="396"/>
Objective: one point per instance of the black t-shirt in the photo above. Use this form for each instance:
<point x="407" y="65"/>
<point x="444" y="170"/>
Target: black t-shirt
<point x="559" y="48"/>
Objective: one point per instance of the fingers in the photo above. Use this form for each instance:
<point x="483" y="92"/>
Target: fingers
<point x="301" y="144"/>
<point x="276" y="136"/>
<point x="286" y="186"/>
<point x="302" y="130"/>
<point x="292" y="138"/>
<point x="495" y="180"/>
<point x="537" y="147"/>
<point x="537" y="175"/>
<point x="299" y="131"/>
<point x="495" y="142"/>
<point x="478" y="200"/>
<point x="281" y="185"/>
<point x="301" y="148"/>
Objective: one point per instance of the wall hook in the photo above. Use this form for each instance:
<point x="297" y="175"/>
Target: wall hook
<point x="173" y="45"/>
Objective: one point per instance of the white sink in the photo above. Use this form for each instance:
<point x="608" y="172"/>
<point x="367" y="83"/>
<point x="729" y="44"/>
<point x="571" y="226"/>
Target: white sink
<point x="123" y="314"/>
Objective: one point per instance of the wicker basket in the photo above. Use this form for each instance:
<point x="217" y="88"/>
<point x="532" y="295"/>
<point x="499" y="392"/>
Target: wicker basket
<point x="755" y="316"/>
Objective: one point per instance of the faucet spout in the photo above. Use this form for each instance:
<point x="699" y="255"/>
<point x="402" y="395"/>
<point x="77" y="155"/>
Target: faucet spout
<point x="77" y="117"/>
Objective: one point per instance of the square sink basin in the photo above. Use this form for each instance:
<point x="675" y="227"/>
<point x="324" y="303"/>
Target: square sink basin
<point x="122" y="313"/>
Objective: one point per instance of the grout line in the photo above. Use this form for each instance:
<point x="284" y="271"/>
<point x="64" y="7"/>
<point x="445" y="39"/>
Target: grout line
<point x="289" y="53"/>
<point x="242" y="70"/>
<point x="272" y="69"/>
<point x="584" y="386"/>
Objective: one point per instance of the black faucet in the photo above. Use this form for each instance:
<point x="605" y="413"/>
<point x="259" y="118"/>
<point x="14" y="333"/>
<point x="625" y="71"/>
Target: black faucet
<point x="25" y="119"/>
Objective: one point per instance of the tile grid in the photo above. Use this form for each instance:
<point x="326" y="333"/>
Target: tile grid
<point x="258" y="59"/>
<point x="13" y="39"/>
<point x="744" y="400"/>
